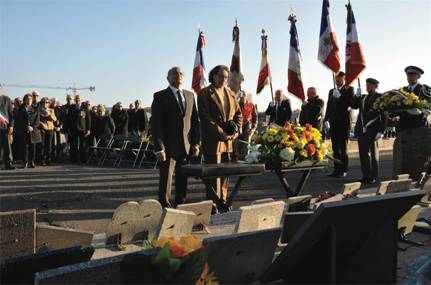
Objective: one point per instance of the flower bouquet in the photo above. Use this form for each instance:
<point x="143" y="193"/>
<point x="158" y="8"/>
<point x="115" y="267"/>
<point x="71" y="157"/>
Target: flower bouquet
<point x="176" y="261"/>
<point x="288" y="145"/>
<point x="396" y="101"/>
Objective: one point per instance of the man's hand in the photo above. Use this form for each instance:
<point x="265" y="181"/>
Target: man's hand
<point x="161" y="155"/>
<point x="224" y="137"/>
<point x="336" y="93"/>
<point x="378" y="136"/>
<point x="57" y="129"/>
<point x="29" y="129"/>
<point x="195" y="151"/>
<point x="10" y="131"/>
<point x="272" y="104"/>
<point x="87" y="134"/>
<point x="358" y="92"/>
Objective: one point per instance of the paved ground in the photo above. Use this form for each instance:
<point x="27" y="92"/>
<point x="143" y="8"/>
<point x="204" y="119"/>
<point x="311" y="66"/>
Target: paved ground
<point x="84" y="196"/>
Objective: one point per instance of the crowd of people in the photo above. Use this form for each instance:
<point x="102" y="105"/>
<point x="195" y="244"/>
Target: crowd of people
<point x="36" y="131"/>
<point x="224" y="117"/>
<point x="217" y="123"/>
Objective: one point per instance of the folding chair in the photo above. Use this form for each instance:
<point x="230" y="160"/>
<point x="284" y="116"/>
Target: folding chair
<point x="148" y="151"/>
<point x="132" y="146"/>
<point x="93" y="150"/>
<point x="116" y="145"/>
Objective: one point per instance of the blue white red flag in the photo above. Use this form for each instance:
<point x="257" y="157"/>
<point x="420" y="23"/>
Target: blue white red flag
<point x="3" y="119"/>
<point x="199" y="80"/>
<point x="355" y="59"/>
<point x="294" y="72"/>
<point x="328" y="47"/>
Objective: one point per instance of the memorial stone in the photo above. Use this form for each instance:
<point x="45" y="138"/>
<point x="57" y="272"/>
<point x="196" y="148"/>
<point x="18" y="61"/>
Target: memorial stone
<point x="176" y="223"/>
<point x="58" y="237"/>
<point x="243" y="257"/>
<point x="134" y="221"/>
<point x="260" y="216"/>
<point x="17" y="233"/>
<point x="412" y="149"/>
<point x="351" y="188"/>
<point x="201" y="209"/>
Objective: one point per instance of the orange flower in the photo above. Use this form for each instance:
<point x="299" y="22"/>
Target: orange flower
<point x="177" y="249"/>
<point x="191" y="242"/>
<point x="182" y="247"/>
<point x="308" y="127"/>
<point x="311" y="149"/>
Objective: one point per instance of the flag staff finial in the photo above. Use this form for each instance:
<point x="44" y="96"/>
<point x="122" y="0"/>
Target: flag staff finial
<point x="236" y="22"/>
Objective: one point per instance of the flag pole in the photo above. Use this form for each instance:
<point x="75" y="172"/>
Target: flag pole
<point x="272" y="93"/>
<point x="359" y="82"/>
<point x="333" y="80"/>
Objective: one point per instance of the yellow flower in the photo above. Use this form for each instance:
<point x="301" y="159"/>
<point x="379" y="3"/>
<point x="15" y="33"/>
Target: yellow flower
<point x="303" y="153"/>
<point x="272" y="131"/>
<point x="300" y="144"/>
<point x="319" y="155"/>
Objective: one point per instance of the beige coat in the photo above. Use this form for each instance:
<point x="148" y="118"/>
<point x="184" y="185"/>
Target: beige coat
<point x="48" y="123"/>
<point x="213" y="120"/>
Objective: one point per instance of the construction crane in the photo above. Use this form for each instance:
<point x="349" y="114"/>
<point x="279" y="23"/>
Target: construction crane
<point x="74" y="88"/>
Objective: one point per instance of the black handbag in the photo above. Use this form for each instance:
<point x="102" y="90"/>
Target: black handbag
<point x="231" y="128"/>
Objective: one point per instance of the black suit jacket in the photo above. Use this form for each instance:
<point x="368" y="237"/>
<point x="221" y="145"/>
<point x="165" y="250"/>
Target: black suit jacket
<point x="373" y="121"/>
<point x="79" y="119"/>
<point x="408" y="121"/>
<point x="172" y="131"/>
<point x="280" y="116"/>
<point x="121" y="121"/>
<point x="138" y="120"/>
<point x="22" y="121"/>
<point x="338" y="110"/>
<point x="312" y="113"/>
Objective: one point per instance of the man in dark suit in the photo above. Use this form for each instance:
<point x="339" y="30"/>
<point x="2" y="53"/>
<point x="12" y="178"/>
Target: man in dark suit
<point x="79" y="130"/>
<point x="175" y="131"/>
<point x="279" y="110"/>
<point x="312" y="110"/>
<point x="409" y="121"/>
<point x="369" y="128"/>
<point x="138" y="121"/>
<point x="6" y="129"/>
<point x="337" y="121"/>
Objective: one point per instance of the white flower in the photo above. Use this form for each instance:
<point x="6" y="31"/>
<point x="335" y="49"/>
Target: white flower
<point x="287" y="154"/>
<point x="253" y="155"/>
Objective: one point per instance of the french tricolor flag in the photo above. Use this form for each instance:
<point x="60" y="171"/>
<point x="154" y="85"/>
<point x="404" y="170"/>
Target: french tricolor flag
<point x="3" y="119"/>
<point x="199" y="80"/>
<point x="355" y="59"/>
<point x="328" y="46"/>
<point x="294" y="73"/>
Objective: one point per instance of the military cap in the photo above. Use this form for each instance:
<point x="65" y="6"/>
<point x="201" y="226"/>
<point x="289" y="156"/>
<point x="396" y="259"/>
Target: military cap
<point x="372" y="80"/>
<point x="340" y="73"/>
<point x="413" y="69"/>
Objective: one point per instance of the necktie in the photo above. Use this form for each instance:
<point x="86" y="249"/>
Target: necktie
<point x="180" y="102"/>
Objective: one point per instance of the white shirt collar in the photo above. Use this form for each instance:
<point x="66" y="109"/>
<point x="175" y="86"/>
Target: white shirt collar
<point x="412" y="87"/>
<point x="175" y="90"/>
